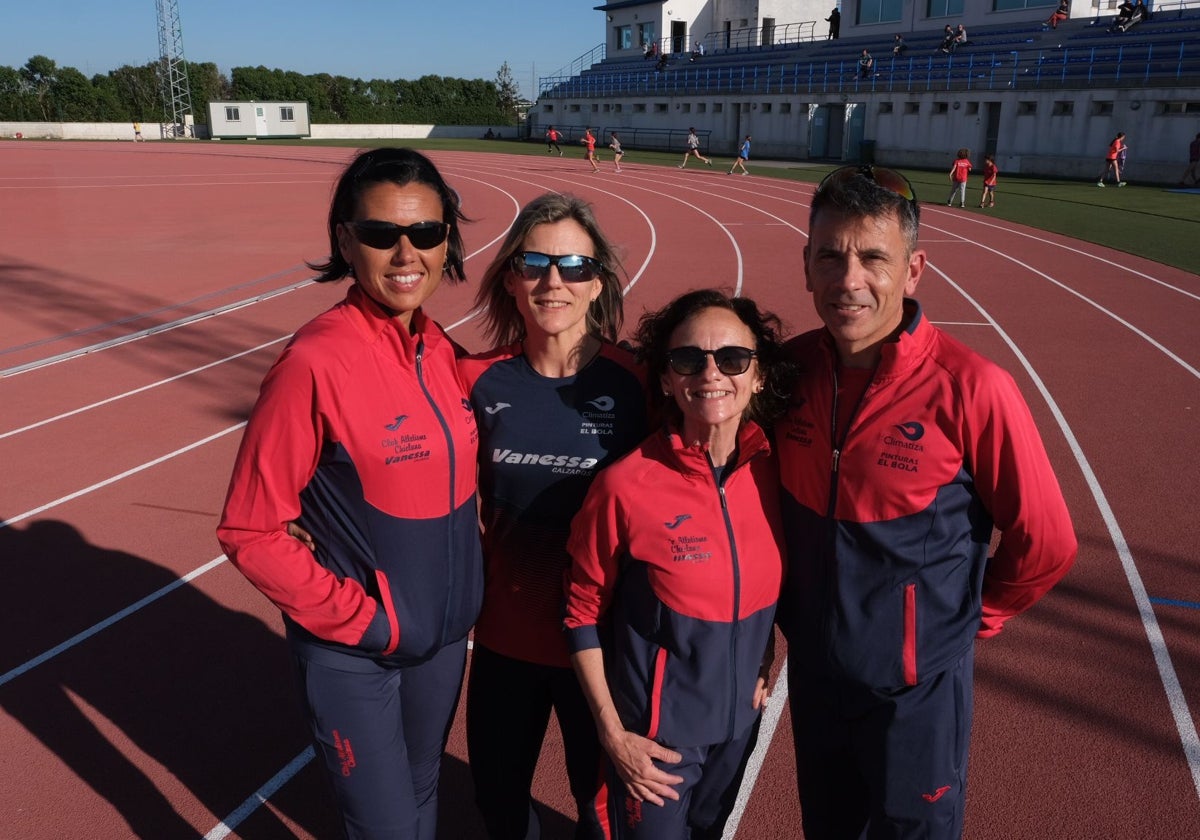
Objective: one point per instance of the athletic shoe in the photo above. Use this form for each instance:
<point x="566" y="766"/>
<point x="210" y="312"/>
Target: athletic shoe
<point x="709" y="162"/>
<point x="560" y="153"/>
<point x="681" y="166"/>
<point x="745" y="173"/>
<point x="1099" y="183"/>
<point x="1120" y="183"/>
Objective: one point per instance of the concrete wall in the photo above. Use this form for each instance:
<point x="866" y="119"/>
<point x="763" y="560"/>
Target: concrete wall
<point x="153" y="131"/>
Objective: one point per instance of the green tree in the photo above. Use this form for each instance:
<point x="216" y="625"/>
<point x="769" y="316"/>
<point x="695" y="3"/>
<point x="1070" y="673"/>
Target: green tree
<point x="38" y="74"/>
<point x="508" y="94"/>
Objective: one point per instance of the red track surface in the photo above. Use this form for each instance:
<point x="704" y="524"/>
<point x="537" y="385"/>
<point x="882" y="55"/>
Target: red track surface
<point x="144" y="684"/>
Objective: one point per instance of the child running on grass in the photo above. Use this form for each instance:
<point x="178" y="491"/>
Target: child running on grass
<point x="988" y="198"/>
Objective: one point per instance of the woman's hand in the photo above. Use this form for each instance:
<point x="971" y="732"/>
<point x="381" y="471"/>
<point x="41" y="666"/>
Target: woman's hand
<point x="299" y="533"/>
<point x="760" y="694"/>
<point x="634" y="758"/>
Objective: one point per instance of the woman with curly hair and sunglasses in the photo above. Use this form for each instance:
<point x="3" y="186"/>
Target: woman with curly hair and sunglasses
<point x="677" y="563"/>
<point x="363" y="437"/>
<point x="556" y="402"/>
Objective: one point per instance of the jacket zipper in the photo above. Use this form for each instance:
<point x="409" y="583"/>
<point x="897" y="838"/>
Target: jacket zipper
<point x="450" y="508"/>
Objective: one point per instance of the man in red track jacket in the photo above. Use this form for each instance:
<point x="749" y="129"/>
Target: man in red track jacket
<point x="901" y="451"/>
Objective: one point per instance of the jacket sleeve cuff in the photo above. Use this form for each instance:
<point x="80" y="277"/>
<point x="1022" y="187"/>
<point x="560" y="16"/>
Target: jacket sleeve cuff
<point x="582" y="638"/>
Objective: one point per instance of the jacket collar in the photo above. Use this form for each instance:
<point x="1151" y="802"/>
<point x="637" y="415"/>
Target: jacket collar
<point x="752" y="442"/>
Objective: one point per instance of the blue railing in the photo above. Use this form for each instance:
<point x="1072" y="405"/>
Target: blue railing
<point x="1150" y="64"/>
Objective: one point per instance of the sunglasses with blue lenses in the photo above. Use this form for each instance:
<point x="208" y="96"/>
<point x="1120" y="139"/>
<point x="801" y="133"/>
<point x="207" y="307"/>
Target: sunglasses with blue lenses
<point x="383" y="235"/>
<point x="731" y="361"/>
<point x="572" y="268"/>
<point x="888" y="179"/>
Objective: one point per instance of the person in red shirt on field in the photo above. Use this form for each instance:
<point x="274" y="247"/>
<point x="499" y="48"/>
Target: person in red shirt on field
<point x="959" y="171"/>
<point x="988" y="199"/>
<point x="1112" y="161"/>
<point x="589" y="140"/>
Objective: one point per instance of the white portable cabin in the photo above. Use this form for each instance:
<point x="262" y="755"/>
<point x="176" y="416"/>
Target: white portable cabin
<point x="238" y="120"/>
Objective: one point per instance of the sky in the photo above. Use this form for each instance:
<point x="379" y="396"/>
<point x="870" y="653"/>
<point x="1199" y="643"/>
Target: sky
<point x="365" y="39"/>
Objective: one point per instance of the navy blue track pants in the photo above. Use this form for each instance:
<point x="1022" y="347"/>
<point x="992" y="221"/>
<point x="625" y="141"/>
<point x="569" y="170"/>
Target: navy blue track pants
<point x="508" y="709"/>
<point x="380" y="733"/>
<point x="882" y="764"/>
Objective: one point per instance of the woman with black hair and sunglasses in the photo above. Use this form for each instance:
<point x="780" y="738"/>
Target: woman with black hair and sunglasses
<point x="556" y="401"/>
<point x="362" y="436"/>
<point x="677" y="566"/>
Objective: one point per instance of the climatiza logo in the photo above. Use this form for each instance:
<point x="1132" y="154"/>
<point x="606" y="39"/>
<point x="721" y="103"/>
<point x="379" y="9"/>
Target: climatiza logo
<point x="910" y="432"/>
<point x="564" y="464"/>
<point x="602" y="403"/>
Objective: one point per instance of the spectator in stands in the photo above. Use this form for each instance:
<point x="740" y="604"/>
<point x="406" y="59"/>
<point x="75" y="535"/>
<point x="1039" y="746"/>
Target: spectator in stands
<point x="1112" y="161"/>
<point x="661" y="64"/>
<point x="899" y="48"/>
<point x="835" y="24"/>
<point x="652" y="50"/>
<point x="1193" y="164"/>
<point x="947" y="40"/>
<point x="866" y="64"/>
<point x="960" y="36"/>
<point x="1062" y="13"/>
<point x="697" y="51"/>
<point x="1128" y="14"/>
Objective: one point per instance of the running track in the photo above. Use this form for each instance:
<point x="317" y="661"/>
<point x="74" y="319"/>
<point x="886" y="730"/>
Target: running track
<point x="145" y="289"/>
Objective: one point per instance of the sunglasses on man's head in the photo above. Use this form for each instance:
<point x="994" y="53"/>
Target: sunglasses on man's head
<point x="384" y="235"/>
<point x="888" y="179"/>
<point x="572" y="268"/>
<point x="731" y="361"/>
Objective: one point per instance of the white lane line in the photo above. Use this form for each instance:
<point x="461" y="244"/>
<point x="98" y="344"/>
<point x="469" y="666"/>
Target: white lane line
<point x="1114" y="316"/>
<point x="69" y="355"/>
<point x="1158" y="646"/>
<point x="766" y="734"/>
<point x="257" y="799"/>
<point x="111" y="620"/>
<point x="142" y="389"/>
<point x="114" y="479"/>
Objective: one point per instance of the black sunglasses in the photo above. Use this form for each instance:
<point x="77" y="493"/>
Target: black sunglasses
<point x="572" y="268"/>
<point x="889" y="179"/>
<point x="384" y="235"/>
<point x="731" y="361"/>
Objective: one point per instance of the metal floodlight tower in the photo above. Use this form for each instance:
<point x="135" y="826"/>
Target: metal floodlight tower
<point x="172" y="69"/>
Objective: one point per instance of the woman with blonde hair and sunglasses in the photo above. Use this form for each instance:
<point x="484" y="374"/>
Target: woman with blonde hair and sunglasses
<point x="677" y="563"/>
<point x="362" y="436"/>
<point x="556" y="401"/>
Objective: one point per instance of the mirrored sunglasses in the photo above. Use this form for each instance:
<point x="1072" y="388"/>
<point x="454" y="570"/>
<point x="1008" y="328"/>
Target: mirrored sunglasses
<point x="384" y="235"/>
<point x="889" y="179"/>
<point x="731" y="361"/>
<point x="572" y="268"/>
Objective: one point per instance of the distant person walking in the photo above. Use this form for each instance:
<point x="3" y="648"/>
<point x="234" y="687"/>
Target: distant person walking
<point x="137" y="133"/>
<point x="959" y="171"/>
<point x="835" y="24"/>
<point x="988" y="198"/>
<point x="693" y="148"/>
<point x="1193" y="164"/>
<point x="615" y="145"/>
<point x="743" y="155"/>
<point x="589" y="140"/>
<point x="553" y="135"/>
<point x="1112" y="160"/>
